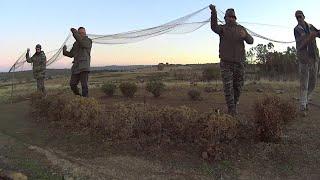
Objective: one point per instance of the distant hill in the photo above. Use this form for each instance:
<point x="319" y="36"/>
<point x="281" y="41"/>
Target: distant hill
<point x="4" y="76"/>
<point x="120" y="68"/>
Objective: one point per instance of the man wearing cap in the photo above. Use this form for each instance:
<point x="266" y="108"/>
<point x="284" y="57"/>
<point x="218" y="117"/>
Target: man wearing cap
<point x="81" y="52"/>
<point x="232" y="55"/>
<point x="308" y="56"/>
<point x="39" y="66"/>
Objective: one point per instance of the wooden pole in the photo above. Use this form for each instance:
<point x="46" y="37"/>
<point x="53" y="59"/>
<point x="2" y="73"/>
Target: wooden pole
<point x="12" y="83"/>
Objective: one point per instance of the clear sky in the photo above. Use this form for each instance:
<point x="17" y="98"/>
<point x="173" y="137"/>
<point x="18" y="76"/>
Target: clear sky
<point x="26" y="23"/>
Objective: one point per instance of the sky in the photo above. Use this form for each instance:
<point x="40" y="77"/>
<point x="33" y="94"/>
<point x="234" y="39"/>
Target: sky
<point x="27" y="23"/>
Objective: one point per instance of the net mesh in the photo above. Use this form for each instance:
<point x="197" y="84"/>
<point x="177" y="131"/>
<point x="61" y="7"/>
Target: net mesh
<point x="183" y="25"/>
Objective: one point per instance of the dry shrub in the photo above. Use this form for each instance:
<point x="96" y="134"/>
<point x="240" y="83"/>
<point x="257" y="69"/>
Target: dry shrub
<point x="271" y="114"/>
<point x="152" y="125"/>
<point x="70" y="111"/>
<point x="139" y="120"/>
<point x="288" y="111"/>
<point x="156" y="87"/>
<point x="147" y="125"/>
<point x="84" y="112"/>
<point x="109" y="88"/>
<point x="213" y="131"/>
<point x="128" y="89"/>
<point x="39" y="104"/>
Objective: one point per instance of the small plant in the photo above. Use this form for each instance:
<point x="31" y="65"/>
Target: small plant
<point x="128" y="89"/>
<point x="194" y="95"/>
<point x="109" y="88"/>
<point x="156" y="87"/>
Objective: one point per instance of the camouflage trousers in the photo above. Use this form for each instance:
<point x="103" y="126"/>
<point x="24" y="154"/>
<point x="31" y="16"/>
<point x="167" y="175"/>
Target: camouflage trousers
<point x="83" y="78"/>
<point x="40" y="85"/>
<point x="308" y="79"/>
<point x="233" y="81"/>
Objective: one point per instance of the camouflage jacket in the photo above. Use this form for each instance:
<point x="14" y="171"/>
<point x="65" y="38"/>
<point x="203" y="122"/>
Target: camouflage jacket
<point x="81" y="52"/>
<point x="310" y="50"/>
<point x="231" y="47"/>
<point x="39" y="64"/>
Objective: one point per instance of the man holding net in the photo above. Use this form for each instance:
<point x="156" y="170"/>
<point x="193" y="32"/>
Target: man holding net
<point x="232" y="55"/>
<point x="308" y="56"/>
<point x="38" y="61"/>
<point x="81" y="52"/>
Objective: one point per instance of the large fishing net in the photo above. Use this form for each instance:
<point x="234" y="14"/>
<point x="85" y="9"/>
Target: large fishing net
<point x="183" y="25"/>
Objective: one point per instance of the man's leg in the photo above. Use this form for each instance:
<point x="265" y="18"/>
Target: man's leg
<point x="313" y="76"/>
<point x="304" y="83"/>
<point x="38" y="85"/>
<point x="84" y="83"/>
<point x="238" y="81"/>
<point x="74" y="81"/>
<point x="227" y="79"/>
<point x="42" y="88"/>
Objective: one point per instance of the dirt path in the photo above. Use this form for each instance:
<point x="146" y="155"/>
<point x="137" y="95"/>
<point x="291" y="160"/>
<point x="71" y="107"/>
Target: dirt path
<point x="32" y="142"/>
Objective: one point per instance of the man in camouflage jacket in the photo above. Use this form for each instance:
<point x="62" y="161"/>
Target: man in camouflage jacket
<point x="308" y="57"/>
<point x="232" y="55"/>
<point x="39" y="67"/>
<point x="81" y="52"/>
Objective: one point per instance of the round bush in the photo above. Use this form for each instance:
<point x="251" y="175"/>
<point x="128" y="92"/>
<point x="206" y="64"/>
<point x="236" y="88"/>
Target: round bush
<point x="109" y="88"/>
<point x="194" y="95"/>
<point x="155" y="87"/>
<point x="128" y="89"/>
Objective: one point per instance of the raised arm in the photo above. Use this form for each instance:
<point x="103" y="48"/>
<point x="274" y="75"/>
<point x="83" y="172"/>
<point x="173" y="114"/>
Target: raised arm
<point x="214" y="20"/>
<point x="28" y="58"/>
<point x="84" y="42"/>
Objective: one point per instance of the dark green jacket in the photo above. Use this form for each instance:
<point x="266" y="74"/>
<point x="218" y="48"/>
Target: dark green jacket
<point x="81" y="52"/>
<point x="39" y="64"/>
<point x="231" y="47"/>
<point x="310" y="51"/>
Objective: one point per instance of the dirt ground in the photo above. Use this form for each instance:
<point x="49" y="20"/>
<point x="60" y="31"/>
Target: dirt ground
<point x="44" y="152"/>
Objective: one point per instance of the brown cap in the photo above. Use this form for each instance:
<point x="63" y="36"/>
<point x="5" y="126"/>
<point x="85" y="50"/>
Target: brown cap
<point x="230" y="12"/>
<point x="299" y="12"/>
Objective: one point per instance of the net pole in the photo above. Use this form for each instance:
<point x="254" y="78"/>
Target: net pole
<point x="12" y="83"/>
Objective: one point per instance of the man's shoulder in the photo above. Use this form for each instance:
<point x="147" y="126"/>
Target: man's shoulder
<point x="298" y="28"/>
<point x="241" y="27"/>
<point x="87" y="37"/>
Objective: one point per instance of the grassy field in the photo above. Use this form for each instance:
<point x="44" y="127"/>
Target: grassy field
<point x="43" y="151"/>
